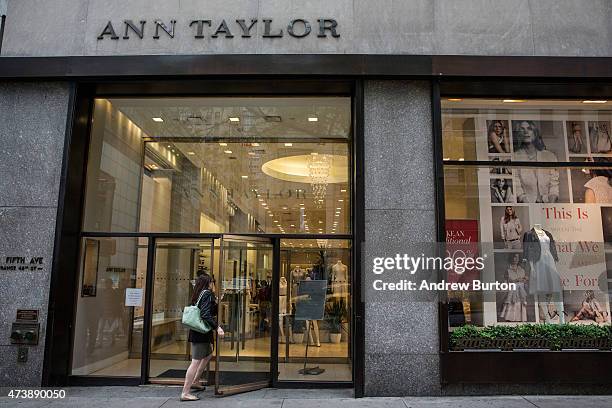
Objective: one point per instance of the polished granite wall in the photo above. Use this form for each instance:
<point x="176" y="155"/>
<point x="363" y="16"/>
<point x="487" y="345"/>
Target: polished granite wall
<point x="401" y="343"/>
<point x="32" y="133"/>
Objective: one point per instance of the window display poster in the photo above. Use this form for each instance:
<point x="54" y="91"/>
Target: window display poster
<point x="514" y="200"/>
<point x="462" y="241"/>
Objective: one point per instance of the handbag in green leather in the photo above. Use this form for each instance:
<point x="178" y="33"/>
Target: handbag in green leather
<point x="192" y="319"/>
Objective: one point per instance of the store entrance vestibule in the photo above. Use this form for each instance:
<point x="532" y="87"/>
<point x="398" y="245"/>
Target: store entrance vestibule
<point x="242" y="267"/>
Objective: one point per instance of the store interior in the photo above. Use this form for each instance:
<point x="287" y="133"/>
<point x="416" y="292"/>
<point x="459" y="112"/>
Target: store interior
<point x="248" y="166"/>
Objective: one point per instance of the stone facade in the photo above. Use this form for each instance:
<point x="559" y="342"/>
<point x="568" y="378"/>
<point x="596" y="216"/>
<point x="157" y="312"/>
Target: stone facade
<point x="466" y="27"/>
<point x="32" y="131"/>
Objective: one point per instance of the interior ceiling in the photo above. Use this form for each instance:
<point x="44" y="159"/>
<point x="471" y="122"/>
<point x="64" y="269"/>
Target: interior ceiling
<point x="284" y="118"/>
<point x="200" y="130"/>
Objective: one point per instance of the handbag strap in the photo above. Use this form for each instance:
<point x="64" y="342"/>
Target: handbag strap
<point x="200" y="297"/>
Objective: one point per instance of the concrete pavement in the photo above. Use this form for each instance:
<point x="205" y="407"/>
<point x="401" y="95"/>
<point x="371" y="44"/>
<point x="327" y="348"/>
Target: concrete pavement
<point x="167" y="397"/>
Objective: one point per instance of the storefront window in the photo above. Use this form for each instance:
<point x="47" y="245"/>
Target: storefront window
<point x="211" y="165"/>
<point x="537" y="204"/>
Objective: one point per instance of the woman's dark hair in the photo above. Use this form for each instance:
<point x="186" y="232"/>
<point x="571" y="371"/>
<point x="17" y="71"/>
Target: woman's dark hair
<point x="507" y="217"/>
<point x="604" y="172"/>
<point x="202" y="283"/>
<point x="492" y="126"/>
<point x="537" y="142"/>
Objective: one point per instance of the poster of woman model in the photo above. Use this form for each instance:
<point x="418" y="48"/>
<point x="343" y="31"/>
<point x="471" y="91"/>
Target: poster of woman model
<point x="572" y="207"/>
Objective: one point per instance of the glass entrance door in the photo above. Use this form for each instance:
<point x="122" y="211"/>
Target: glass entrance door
<point x="243" y="355"/>
<point x="178" y="263"/>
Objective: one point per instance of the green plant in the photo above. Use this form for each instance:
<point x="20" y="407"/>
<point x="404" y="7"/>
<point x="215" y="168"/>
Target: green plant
<point x="336" y="315"/>
<point x="554" y="334"/>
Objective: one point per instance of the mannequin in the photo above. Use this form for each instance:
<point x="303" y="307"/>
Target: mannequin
<point x="544" y="281"/>
<point x="340" y="273"/>
<point x="282" y="308"/>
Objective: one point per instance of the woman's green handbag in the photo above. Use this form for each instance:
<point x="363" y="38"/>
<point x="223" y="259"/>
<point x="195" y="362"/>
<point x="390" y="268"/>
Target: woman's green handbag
<point x="192" y="319"/>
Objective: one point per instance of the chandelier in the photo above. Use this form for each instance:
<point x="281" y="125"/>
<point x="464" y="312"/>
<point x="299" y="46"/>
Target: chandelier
<point x="319" y="167"/>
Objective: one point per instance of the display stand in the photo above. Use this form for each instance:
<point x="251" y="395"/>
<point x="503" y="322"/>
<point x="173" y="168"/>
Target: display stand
<point x="311" y="370"/>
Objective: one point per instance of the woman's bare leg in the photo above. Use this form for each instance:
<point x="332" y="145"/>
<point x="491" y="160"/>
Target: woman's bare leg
<point x="190" y="376"/>
<point x="201" y="368"/>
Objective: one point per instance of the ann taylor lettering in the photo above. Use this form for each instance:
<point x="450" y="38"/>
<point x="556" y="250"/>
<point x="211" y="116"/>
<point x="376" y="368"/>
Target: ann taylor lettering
<point x="245" y="28"/>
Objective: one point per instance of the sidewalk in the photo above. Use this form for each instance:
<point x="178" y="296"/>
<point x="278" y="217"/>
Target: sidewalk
<point x="167" y="397"/>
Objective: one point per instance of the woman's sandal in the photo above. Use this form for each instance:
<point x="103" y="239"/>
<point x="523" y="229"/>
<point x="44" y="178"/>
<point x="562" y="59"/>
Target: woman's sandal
<point x="189" y="397"/>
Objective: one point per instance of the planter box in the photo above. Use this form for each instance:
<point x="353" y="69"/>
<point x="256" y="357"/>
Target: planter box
<point x="531" y="344"/>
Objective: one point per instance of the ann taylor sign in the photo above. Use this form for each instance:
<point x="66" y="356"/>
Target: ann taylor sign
<point x="297" y="28"/>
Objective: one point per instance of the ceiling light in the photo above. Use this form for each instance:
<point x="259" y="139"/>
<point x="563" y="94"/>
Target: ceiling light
<point x="260" y="199"/>
<point x="169" y="146"/>
<point x="292" y="225"/>
<point x="234" y="119"/>
<point x="285" y="208"/>
<point x="338" y="208"/>
<point x="320" y="222"/>
<point x="251" y="153"/>
<point x="313" y="119"/>
<point x="264" y="204"/>
<point x="594" y="101"/>
<point x="276" y="221"/>
<point x="228" y="151"/>
<point x="454" y="99"/>
<point x="158" y="120"/>
<point x="245" y="177"/>
<point x="343" y="191"/>
<point x="514" y="100"/>
<point x="288" y="144"/>
<point x="301" y="204"/>
<point x="340" y="200"/>
<point x="255" y="144"/>
<point x="337" y="215"/>
<point x="222" y="144"/>
<point x="191" y="153"/>
<point x="271" y="215"/>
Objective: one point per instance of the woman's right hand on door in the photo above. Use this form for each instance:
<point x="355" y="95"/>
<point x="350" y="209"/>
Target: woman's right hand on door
<point x="220" y="331"/>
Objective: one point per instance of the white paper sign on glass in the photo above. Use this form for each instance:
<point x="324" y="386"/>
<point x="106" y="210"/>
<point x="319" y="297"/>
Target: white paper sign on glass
<point x="133" y="297"/>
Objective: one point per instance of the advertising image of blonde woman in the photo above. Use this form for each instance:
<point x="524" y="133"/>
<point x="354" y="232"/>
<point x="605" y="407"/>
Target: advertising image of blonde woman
<point x="533" y="185"/>
<point x="497" y="136"/>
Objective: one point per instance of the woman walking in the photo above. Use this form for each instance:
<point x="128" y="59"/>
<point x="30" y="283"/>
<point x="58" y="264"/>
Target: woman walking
<point x="201" y="343"/>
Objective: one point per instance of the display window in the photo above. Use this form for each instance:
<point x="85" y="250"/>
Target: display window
<point x="528" y="183"/>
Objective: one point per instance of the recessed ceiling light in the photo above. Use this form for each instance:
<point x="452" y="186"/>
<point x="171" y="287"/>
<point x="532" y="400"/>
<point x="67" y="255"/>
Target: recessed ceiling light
<point x="222" y="144"/>
<point x="343" y="191"/>
<point x="245" y="177"/>
<point x="293" y="225"/>
<point x="313" y="119"/>
<point x="594" y="101"/>
<point x="251" y="153"/>
<point x="337" y="215"/>
<point x="340" y="200"/>
<point x="288" y="144"/>
<point x="320" y="222"/>
<point x="276" y="221"/>
<point x="169" y="146"/>
<point x="271" y="215"/>
<point x="191" y="153"/>
<point x="264" y="204"/>
<point x="158" y="120"/>
<point x="514" y="100"/>
<point x="454" y="99"/>
<point x="260" y="199"/>
<point x="255" y="144"/>
<point x="301" y="204"/>
<point x="228" y="151"/>
<point x="338" y="208"/>
<point x="234" y="119"/>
